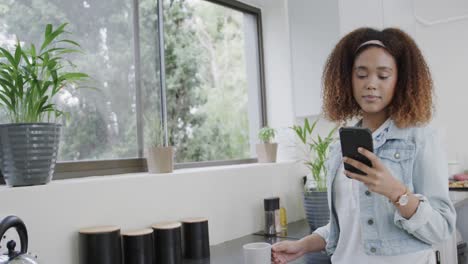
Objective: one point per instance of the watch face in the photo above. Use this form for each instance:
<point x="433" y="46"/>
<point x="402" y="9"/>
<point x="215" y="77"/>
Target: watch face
<point x="403" y="200"/>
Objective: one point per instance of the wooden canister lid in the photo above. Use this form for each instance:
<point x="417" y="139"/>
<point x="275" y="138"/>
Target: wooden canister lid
<point x="194" y="220"/>
<point x="137" y="232"/>
<point x="99" y="229"/>
<point x="167" y="225"/>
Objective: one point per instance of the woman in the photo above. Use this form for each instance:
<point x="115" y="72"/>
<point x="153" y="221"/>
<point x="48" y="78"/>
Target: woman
<point x="401" y="207"/>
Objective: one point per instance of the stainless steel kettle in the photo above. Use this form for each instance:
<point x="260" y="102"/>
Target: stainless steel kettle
<point x="14" y="257"/>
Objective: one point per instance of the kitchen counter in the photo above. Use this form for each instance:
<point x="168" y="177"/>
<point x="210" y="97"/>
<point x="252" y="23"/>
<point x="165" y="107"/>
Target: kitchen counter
<point x="230" y="252"/>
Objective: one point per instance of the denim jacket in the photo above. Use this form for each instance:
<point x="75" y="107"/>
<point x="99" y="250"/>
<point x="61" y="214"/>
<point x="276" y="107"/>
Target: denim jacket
<point x="416" y="158"/>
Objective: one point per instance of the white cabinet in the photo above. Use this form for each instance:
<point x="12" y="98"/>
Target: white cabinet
<point x="360" y="13"/>
<point x="377" y="14"/>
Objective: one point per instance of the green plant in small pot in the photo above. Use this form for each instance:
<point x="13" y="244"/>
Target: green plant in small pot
<point x="30" y="78"/>
<point x="266" y="151"/>
<point x="315" y="186"/>
<point x="159" y="158"/>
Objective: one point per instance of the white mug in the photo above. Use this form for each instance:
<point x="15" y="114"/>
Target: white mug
<point x="257" y="253"/>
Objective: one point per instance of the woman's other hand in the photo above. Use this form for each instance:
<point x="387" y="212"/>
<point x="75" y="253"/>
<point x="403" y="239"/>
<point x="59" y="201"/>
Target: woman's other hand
<point x="286" y="251"/>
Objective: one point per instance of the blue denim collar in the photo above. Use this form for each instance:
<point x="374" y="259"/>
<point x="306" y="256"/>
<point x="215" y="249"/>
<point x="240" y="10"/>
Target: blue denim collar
<point x="395" y="132"/>
<point x="390" y="132"/>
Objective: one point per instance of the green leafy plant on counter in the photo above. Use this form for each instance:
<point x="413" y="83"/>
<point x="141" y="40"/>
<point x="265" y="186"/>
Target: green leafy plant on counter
<point x="266" y="134"/>
<point x="316" y="151"/>
<point x="30" y="78"/>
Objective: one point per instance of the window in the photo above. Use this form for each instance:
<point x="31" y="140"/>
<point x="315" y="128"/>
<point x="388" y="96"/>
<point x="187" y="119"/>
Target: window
<point x="213" y="78"/>
<point x="102" y="121"/>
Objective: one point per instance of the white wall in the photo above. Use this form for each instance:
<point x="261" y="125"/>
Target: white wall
<point x="314" y="28"/>
<point x="230" y="197"/>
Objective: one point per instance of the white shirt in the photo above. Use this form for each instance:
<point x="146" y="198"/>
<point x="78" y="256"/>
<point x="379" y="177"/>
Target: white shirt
<point x="349" y="248"/>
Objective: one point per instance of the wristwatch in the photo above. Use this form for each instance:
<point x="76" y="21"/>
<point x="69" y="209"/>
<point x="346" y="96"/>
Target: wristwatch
<point x="403" y="199"/>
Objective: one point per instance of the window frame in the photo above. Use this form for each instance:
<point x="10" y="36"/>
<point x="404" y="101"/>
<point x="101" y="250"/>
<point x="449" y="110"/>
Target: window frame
<point x="84" y="168"/>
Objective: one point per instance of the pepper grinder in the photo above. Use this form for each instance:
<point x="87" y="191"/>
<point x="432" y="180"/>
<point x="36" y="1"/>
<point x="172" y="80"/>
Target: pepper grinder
<point x="271" y="206"/>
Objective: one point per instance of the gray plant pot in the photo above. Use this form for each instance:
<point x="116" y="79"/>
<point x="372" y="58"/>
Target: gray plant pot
<point x="28" y="152"/>
<point x="316" y="209"/>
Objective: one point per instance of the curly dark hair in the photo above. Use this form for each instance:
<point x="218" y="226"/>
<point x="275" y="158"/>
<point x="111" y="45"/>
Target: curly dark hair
<point x="412" y="102"/>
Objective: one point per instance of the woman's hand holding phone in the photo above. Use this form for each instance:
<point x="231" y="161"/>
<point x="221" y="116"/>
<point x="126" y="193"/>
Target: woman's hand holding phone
<point x="378" y="178"/>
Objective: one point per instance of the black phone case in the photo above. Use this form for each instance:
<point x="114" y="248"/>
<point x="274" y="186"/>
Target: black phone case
<point x="351" y="138"/>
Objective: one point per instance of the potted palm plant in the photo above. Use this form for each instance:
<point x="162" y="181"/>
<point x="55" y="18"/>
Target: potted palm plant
<point x="159" y="158"/>
<point x="315" y="186"/>
<point x="266" y="151"/>
<point x="30" y="78"/>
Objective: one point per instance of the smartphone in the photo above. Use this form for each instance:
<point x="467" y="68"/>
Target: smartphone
<point x="351" y="138"/>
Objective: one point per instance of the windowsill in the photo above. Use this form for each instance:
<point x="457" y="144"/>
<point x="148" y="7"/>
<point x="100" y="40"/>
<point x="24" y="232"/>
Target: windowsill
<point x="86" y="168"/>
<point x="137" y="175"/>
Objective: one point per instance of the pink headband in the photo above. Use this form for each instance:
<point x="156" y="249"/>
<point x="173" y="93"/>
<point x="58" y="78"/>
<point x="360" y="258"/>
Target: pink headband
<point x="371" y="42"/>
